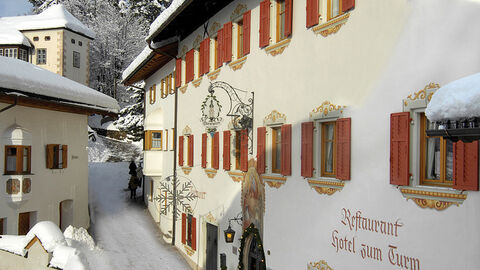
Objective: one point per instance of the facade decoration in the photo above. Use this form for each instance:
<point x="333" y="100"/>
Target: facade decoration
<point x="332" y="26"/>
<point x="421" y="97"/>
<point x="320" y="265"/>
<point x="183" y="51"/>
<point x="210" y="218"/>
<point x="213" y="75"/>
<point x="188" y="250"/>
<point x="274" y="117"/>
<point x="183" y="89"/>
<point x="186" y="170"/>
<point x="185" y="196"/>
<point x="214" y="29"/>
<point x="326" y="110"/>
<point x="187" y="130"/>
<point x="211" y="109"/>
<point x="196" y="42"/>
<point x="251" y="236"/>
<point x="253" y="198"/>
<point x="432" y="199"/>
<point x="211" y="172"/>
<point x="197" y="82"/>
<point x="278" y="47"/>
<point x="326" y="187"/>
<point x="238" y="11"/>
<point x="274" y="181"/>
<point x="237" y="64"/>
<point x="236" y="176"/>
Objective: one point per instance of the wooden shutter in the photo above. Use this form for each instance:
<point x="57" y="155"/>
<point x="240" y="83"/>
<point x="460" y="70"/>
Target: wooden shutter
<point x="215" y="151"/>
<point x="465" y="165"/>
<point x="312" y="13"/>
<point x="264" y="23"/>
<point x="194" y="233"/>
<point x="226" y="150"/>
<point x="180" y="150"/>
<point x="307" y="149"/>
<point x="148" y="139"/>
<point x="220" y="48"/>
<point x="178" y="72"/>
<point x="206" y="55"/>
<point x="246" y="32"/>
<point x="64" y="156"/>
<point x="190" y="150"/>
<point x="244" y="150"/>
<point x="204" y="150"/>
<point x="343" y="131"/>
<point x="288" y="17"/>
<point x="50" y="156"/>
<point x="184" y="228"/>
<point x="190" y="68"/>
<point x="286" y="154"/>
<point x="347" y="5"/>
<point x="399" y="148"/>
<point x="261" y="131"/>
<point x="227" y="38"/>
<point x="201" y="59"/>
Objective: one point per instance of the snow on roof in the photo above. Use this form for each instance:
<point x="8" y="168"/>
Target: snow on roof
<point x="137" y="62"/>
<point x="457" y="100"/>
<point x="67" y="258"/>
<point x="48" y="233"/>
<point x="53" y="17"/>
<point x="13" y="243"/>
<point x="166" y="16"/>
<point x="11" y="36"/>
<point x="20" y="75"/>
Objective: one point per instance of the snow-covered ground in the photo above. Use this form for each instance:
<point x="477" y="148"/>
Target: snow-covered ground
<point x="125" y="234"/>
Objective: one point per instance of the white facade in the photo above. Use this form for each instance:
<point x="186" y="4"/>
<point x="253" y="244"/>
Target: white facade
<point x="383" y="59"/>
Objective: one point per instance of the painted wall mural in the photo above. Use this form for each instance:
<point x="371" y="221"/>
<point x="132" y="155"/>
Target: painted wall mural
<point x="253" y="198"/>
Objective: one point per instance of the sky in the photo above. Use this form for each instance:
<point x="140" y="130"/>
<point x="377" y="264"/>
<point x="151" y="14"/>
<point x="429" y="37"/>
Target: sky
<point x="14" y="7"/>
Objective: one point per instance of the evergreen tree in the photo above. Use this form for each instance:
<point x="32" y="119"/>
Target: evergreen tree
<point x="131" y="117"/>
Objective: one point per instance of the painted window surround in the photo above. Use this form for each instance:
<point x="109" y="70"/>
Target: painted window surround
<point x="188" y="150"/>
<point x="319" y="17"/>
<point x="275" y="45"/>
<point x="209" y="170"/>
<point x="236" y="174"/>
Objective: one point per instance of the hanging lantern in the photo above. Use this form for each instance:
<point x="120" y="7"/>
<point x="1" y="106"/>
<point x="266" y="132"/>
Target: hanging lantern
<point x="229" y="234"/>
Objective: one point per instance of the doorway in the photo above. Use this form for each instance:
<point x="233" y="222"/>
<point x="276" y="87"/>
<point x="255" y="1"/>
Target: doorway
<point x="212" y="247"/>
<point x="25" y="221"/>
<point x="252" y="254"/>
<point x="66" y="214"/>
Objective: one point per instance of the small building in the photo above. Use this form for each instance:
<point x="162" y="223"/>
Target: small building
<point x="43" y="139"/>
<point x="54" y="40"/>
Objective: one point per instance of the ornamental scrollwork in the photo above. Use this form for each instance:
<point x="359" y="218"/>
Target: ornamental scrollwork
<point x="434" y="204"/>
<point x="422" y="94"/>
<point x="196" y="42"/>
<point x="274" y="184"/>
<point x="187" y="130"/>
<point x="326" y="108"/>
<point x="214" y="28"/>
<point x="239" y="10"/>
<point x="275" y="117"/>
<point x="325" y="190"/>
<point x="183" y="51"/>
<point x="320" y="265"/>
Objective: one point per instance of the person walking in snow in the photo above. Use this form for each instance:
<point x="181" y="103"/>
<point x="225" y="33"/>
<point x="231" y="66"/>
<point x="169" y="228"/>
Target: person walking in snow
<point x="132" y="185"/>
<point x="133" y="168"/>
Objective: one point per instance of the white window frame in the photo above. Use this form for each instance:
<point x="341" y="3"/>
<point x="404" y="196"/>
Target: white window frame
<point x="41" y="57"/>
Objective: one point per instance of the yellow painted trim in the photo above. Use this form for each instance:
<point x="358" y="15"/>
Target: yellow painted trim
<point x="237" y="64"/>
<point x="332" y="26"/>
<point x="277" y="48"/>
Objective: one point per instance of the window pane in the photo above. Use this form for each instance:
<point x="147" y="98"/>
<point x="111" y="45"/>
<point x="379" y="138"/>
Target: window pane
<point x="432" y="159"/>
<point x="328" y="144"/>
<point x="156" y="140"/>
<point x="329" y="157"/>
<point x="278" y="148"/>
<point x="335" y="8"/>
<point x="12" y="159"/>
<point x="60" y="157"/>
<point x="449" y="161"/>
<point x="25" y="159"/>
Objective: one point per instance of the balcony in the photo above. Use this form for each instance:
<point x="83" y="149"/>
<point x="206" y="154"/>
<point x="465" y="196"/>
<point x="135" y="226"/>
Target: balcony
<point x="153" y="163"/>
<point x="17" y="187"/>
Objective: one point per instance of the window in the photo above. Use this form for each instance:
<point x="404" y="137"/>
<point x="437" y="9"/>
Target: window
<point x="157" y="140"/>
<point x="172" y="147"/>
<point x="280" y="20"/>
<point x="57" y="156"/>
<point x="212" y="159"/>
<point x="2" y="226"/>
<point x="181" y="149"/>
<point x="189" y="231"/>
<point x="240" y="39"/>
<point x="23" y="55"/>
<point x="41" y="56"/>
<point x="11" y="52"/>
<point x="151" y="190"/>
<point x="47" y="38"/>
<point x="152" y="94"/>
<point x="328" y="147"/>
<point x="80" y="43"/>
<point x="190" y="150"/>
<point x="279" y="141"/>
<point x="17" y="159"/>
<point x="332" y="9"/>
<point x="1" y="52"/>
<point x="276" y="149"/>
<point x="218" y="49"/>
<point x="76" y="59"/>
<point x="35" y="38"/>
<point x="73" y="41"/>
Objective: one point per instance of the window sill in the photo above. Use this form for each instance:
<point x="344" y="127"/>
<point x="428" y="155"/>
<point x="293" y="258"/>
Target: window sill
<point x="277" y="48"/>
<point x="238" y="64"/>
<point x="332" y="26"/>
<point x="211" y="172"/>
<point x="186" y="170"/>
<point x="433" y="197"/>
<point x="214" y="74"/>
<point x="188" y="250"/>
<point x="237" y="176"/>
<point x="323" y="185"/>
<point x="197" y="82"/>
<point x="17" y="174"/>
<point x="274" y="180"/>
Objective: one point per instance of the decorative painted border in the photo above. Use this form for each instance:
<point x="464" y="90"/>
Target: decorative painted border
<point x="327" y="110"/>
<point x="320" y="265"/>
<point x="196" y="42"/>
<point x="183" y="89"/>
<point x="197" y="82"/>
<point x="214" y="74"/>
<point x="211" y="172"/>
<point x="274" y="181"/>
<point x="214" y="29"/>
<point x="274" y="118"/>
<point x="278" y="48"/>
<point x="188" y="250"/>
<point x="433" y="199"/>
<point x="237" y="64"/>
<point x="186" y="130"/>
<point x="186" y="170"/>
<point x="421" y="98"/>
<point x="239" y="10"/>
<point x="327" y="187"/>
<point x="237" y="176"/>
<point x="332" y="26"/>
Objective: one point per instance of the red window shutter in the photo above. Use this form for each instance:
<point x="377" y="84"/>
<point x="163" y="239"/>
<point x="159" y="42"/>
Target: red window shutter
<point x="264" y="23"/>
<point x="288" y="17"/>
<point x="190" y="150"/>
<point x="244" y="150"/>
<point x="246" y="32"/>
<point x="215" y="151"/>
<point x="261" y="131"/>
<point x="202" y="57"/>
<point x="206" y="56"/>
<point x="180" y="150"/>
<point x="204" y="150"/>
<point x="286" y="153"/>
<point x="399" y="148"/>
<point x="190" y="68"/>
<point x="465" y="165"/>
<point x="312" y="13"/>
<point x="307" y="149"/>
<point x="343" y="131"/>
<point x="64" y="156"/>
<point x="220" y="48"/>
<point x="194" y="233"/>
<point x="347" y="5"/>
<point x="226" y="150"/>
<point x="178" y="72"/>
<point x="184" y="228"/>
<point x="227" y="37"/>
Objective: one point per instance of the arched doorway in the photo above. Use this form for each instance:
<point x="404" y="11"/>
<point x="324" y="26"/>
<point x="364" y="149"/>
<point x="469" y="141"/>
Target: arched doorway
<point x="66" y="214"/>
<point x="251" y="250"/>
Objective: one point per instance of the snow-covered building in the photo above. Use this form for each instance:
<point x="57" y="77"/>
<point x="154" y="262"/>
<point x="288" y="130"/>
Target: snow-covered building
<point x="43" y="134"/>
<point x="54" y="40"/>
<point x="305" y="120"/>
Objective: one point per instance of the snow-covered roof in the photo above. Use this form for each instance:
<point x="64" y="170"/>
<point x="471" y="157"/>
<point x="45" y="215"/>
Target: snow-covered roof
<point x="48" y="233"/>
<point x="166" y="17"/>
<point x="56" y="16"/>
<point x="137" y="62"/>
<point x="14" y="244"/>
<point x="20" y="75"/>
<point x="11" y="36"/>
<point x="457" y="100"/>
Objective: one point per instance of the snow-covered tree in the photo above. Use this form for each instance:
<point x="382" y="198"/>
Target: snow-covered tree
<point x="131" y="116"/>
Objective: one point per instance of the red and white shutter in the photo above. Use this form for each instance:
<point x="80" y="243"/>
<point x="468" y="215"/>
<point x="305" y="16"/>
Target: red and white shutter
<point x="190" y="150"/>
<point x="307" y="149"/>
<point x="246" y="32"/>
<point x="288" y="17"/>
<point x="244" y="150"/>
<point x="178" y="72"/>
<point x="215" y="151"/>
<point x="264" y="23"/>
<point x="312" y="13"/>
<point x="226" y="150"/>
<point x="261" y="131"/>
<point x="220" y="52"/>
<point x="286" y="152"/>
<point x="184" y="228"/>
<point x="399" y="148"/>
<point x="227" y="37"/>
<point x="180" y="150"/>
<point x="194" y="233"/>
<point x="347" y="5"/>
<point x="465" y="165"/>
<point x="204" y="150"/>
<point x="343" y="131"/>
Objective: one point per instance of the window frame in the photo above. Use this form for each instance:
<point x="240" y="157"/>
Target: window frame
<point x="76" y="63"/>
<point x="279" y="25"/>
<point x="329" y="9"/>
<point x="159" y="141"/>
<point x="240" y="37"/>
<point x="12" y="52"/>
<point x="275" y="130"/>
<point x="1" y="51"/>
<point x="19" y="160"/>
<point x="41" y="60"/>
<point x="153" y="94"/>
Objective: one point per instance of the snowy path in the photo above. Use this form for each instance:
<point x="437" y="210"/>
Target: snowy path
<point x="124" y="231"/>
